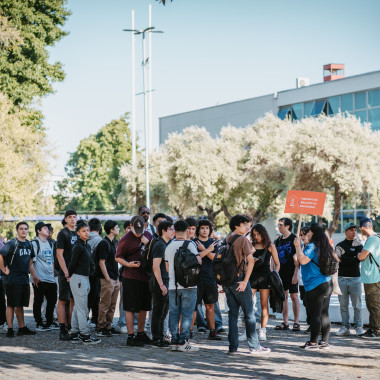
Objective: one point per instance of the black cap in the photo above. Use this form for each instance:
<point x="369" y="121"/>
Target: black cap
<point x="39" y="226"/>
<point x="138" y="224"/>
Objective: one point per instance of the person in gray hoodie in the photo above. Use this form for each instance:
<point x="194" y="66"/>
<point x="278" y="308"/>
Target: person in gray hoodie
<point x="94" y="295"/>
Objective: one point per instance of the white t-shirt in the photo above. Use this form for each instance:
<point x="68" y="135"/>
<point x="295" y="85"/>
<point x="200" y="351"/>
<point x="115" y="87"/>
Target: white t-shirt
<point x="44" y="261"/>
<point x="170" y="252"/>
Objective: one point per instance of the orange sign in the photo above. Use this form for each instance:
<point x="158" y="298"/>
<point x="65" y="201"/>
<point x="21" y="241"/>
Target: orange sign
<point x="305" y="202"/>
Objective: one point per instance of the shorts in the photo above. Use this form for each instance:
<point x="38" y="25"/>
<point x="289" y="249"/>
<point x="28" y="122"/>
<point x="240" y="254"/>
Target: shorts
<point x="136" y="296"/>
<point x="208" y="293"/>
<point x="287" y="283"/>
<point x="17" y="295"/>
<point x="260" y="282"/>
<point x="64" y="289"/>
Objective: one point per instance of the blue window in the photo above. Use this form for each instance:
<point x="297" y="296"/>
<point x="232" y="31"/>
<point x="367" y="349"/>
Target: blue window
<point x="297" y="110"/>
<point x="334" y="104"/>
<point x="318" y="107"/>
<point x="374" y="98"/>
<point x="361" y="115"/>
<point x="284" y="112"/>
<point x="308" y="107"/>
<point x="360" y="100"/>
<point x="347" y="102"/>
<point x="374" y="118"/>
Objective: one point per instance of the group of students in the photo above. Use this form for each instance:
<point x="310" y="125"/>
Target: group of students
<point x="88" y="263"/>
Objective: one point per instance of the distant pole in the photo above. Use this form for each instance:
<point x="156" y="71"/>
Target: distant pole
<point x="133" y="111"/>
<point x="150" y="81"/>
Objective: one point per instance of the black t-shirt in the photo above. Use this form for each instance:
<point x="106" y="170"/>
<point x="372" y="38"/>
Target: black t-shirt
<point x="286" y="251"/>
<point x="106" y="250"/>
<point x="19" y="263"/>
<point x="348" y="251"/>
<point x="65" y="241"/>
<point x="207" y="273"/>
<point x="158" y="252"/>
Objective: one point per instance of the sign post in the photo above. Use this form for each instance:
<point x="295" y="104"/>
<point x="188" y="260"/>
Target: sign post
<point x="304" y="203"/>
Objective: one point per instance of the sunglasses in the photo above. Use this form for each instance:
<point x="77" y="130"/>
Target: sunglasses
<point x="145" y="212"/>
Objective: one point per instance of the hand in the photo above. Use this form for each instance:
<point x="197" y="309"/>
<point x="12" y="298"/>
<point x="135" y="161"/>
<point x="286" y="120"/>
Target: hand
<point x="6" y="271"/>
<point x="133" y="264"/>
<point x="36" y="280"/>
<point x="200" y="246"/>
<point x="67" y="276"/>
<point x="164" y="290"/>
<point x="297" y="242"/>
<point x="242" y="286"/>
<point x="294" y="279"/>
<point x="144" y="240"/>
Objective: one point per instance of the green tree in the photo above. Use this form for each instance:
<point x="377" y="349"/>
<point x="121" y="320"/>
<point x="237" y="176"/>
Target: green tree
<point x="92" y="181"/>
<point x="25" y="72"/>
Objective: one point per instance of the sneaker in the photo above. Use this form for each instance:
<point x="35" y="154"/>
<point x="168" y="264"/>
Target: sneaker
<point x="370" y="334"/>
<point x="323" y="345"/>
<point x="161" y="344"/>
<point x="144" y="338"/>
<point x="263" y="334"/>
<point x="90" y="324"/>
<point x="174" y="347"/>
<point x="359" y="330"/>
<point x="343" y="331"/>
<point x="220" y="330"/>
<point x="309" y="346"/>
<point x="104" y="332"/>
<point x="187" y="347"/>
<point x="243" y="336"/>
<point x="133" y="342"/>
<point x="25" y="331"/>
<point x="75" y="338"/>
<point x="10" y="333"/>
<point x="43" y="328"/>
<point x="64" y="335"/>
<point x="54" y="325"/>
<point x="168" y="337"/>
<point x="260" y="351"/>
<point x="202" y="329"/>
<point x="3" y="328"/>
<point x="123" y="330"/>
<point x="88" y="339"/>
<point x="231" y="352"/>
<point x="214" y="335"/>
<point x="114" y="331"/>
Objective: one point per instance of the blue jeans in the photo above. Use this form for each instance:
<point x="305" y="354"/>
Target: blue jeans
<point x="235" y="300"/>
<point x="185" y="305"/>
<point x="351" y="287"/>
<point x="201" y="321"/>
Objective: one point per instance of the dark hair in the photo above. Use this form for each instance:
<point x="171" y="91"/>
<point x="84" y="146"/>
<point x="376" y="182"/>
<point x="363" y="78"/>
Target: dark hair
<point x="249" y="217"/>
<point x="80" y="224"/>
<point x="287" y="222"/>
<point x="262" y="231"/>
<point x="204" y="222"/>
<point x="236" y="220"/>
<point x="127" y="223"/>
<point x="95" y="225"/>
<point x="192" y="222"/>
<point x="169" y="218"/>
<point x="141" y="207"/>
<point x="163" y="226"/>
<point x="50" y="227"/>
<point x="63" y="221"/>
<point x="109" y="225"/>
<point x="20" y="224"/>
<point x="319" y="238"/>
<point x="304" y="230"/>
<point x="158" y="215"/>
<point x="180" y="226"/>
<point x="69" y="212"/>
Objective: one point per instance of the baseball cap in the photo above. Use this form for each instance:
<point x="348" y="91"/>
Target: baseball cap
<point x="138" y="224"/>
<point x="40" y="225"/>
<point x="366" y="222"/>
<point x="349" y="225"/>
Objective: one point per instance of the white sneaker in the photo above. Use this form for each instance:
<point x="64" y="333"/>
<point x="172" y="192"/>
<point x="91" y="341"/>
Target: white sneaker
<point x="258" y="325"/>
<point x="343" y="331"/>
<point x="243" y="336"/>
<point x="260" y="351"/>
<point x="359" y="330"/>
<point x="263" y="333"/>
<point x="90" y="324"/>
<point x="187" y="347"/>
<point x="123" y="329"/>
<point x="3" y="328"/>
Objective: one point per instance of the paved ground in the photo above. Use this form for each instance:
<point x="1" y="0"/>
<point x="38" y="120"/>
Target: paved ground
<point x="45" y="357"/>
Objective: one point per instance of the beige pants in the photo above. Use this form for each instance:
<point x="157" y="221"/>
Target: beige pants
<point x="109" y="291"/>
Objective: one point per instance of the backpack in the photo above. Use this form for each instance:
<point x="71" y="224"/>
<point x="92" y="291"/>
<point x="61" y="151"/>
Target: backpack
<point x="95" y="270"/>
<point x="329" y="267"/>
<point x="187" y="270"/>
<point x="146" y="256"/>
<point x="224" y="264"/>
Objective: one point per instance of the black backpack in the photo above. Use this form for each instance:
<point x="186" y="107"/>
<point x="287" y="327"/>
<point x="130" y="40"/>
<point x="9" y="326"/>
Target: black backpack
<point x="187" y="270"/>
<point x="329" y="267"/>
<point x="146" y="261"/>
<point x="224" y="264"/>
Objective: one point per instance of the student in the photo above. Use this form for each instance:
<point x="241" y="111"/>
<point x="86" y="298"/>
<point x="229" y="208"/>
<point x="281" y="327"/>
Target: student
<point x="144" y="212"/>
<point x="159" y="283"/>
<point x="207" y="288"/>
<point x="65" y="241"/>
<point x="79" y="273"/>
<point x="157" y="219"/>
<point x="318" y="287"/>
<point x="288" y="272"/>
<point x="42" y="271"/>
<point x="181" y="301"/>
<point x="191" y="229"/>
<point x="16" y="257"/>
<point x="136" y="294"/>
<point x="264" y="251"/>
<point x="239" y="294"/>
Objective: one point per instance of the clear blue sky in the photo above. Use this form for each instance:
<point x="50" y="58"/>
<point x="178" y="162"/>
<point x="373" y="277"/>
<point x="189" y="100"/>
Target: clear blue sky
<point x="212" y="52"/>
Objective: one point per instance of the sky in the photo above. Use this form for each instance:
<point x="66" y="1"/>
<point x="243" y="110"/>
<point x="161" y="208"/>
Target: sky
<point x="211" y="52"/>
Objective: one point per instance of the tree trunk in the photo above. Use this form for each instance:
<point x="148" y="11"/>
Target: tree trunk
<point x="337" y="206"/>
<point x="226" y="213"/>
<point x="176" y="209"/>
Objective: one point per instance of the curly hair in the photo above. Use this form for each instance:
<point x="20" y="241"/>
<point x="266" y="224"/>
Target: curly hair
<point x="204" y="222"/>
<point x="262" y="231"/>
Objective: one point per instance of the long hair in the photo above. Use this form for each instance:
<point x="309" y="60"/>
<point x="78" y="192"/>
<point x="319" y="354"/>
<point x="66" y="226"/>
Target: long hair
<point x="265" y="239"/>
<point x="319" y="238"/>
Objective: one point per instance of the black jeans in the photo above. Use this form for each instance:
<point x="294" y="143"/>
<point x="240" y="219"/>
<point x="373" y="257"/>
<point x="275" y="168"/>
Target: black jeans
<point x="94" y="298"/>
<point x="48" y="290"/>
<point x="303" y="298"/>
<point x="3" y="305"/>
<point x="159" y="313"/>
<point x="317" y="302"/>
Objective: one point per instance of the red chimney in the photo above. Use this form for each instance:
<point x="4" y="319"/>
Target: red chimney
<point x="333" y="71"/>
